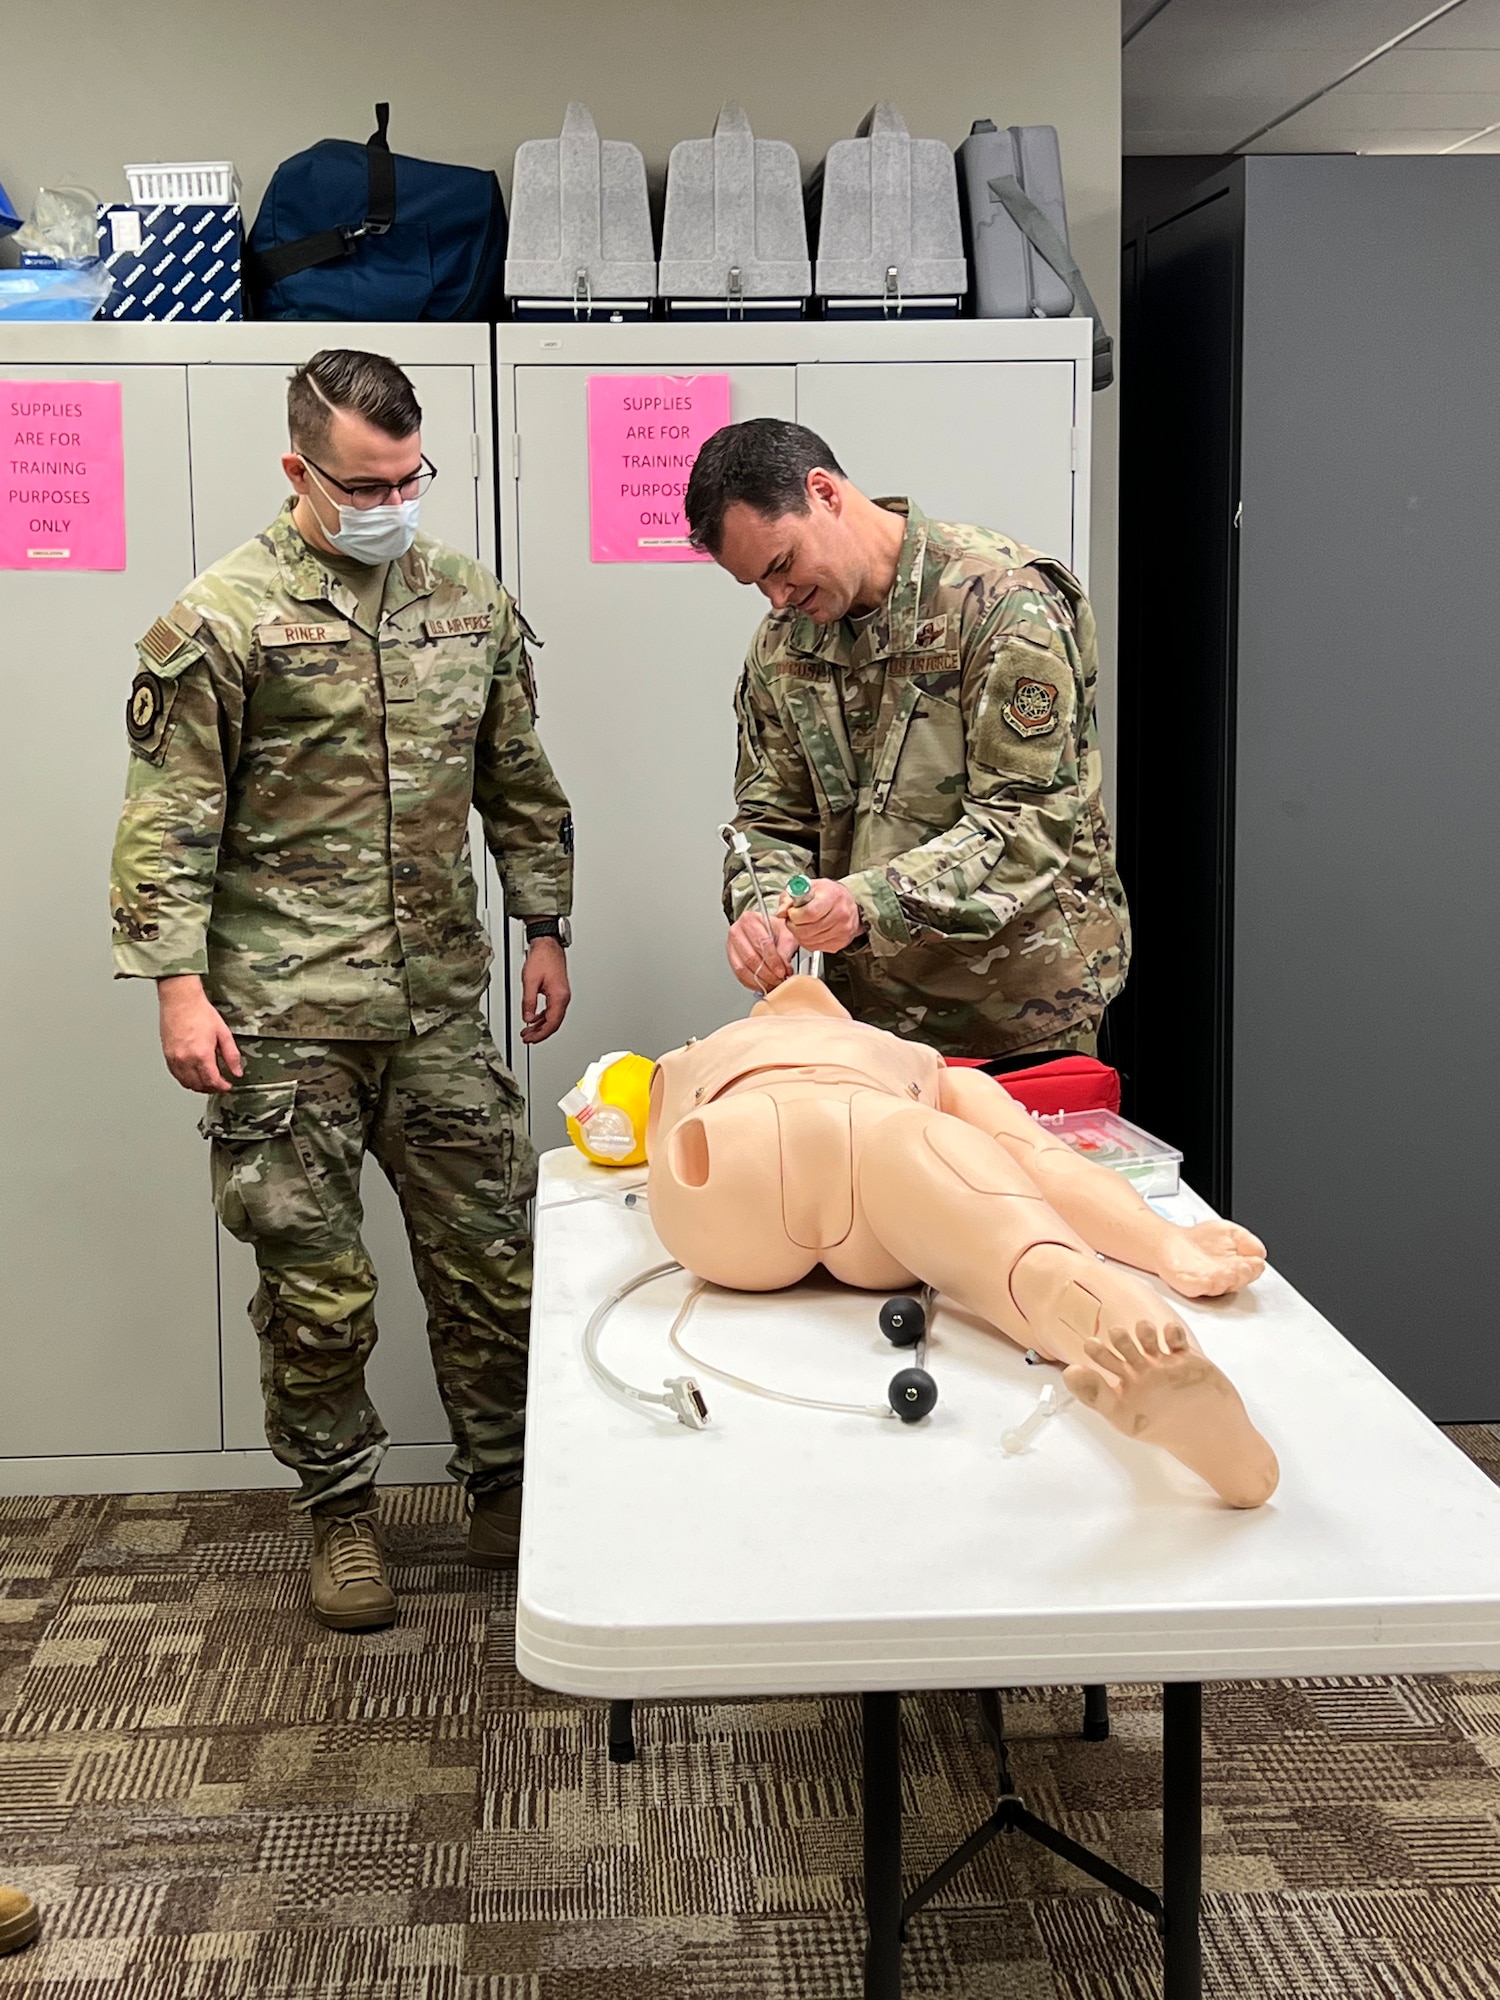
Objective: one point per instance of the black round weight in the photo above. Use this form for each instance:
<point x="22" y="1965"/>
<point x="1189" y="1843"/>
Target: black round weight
<point x="903" y="1321"/>
<point x="912" y="1394"/>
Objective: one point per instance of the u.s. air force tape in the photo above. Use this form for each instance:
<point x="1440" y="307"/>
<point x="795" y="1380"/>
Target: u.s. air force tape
<point x="143" y="709"/>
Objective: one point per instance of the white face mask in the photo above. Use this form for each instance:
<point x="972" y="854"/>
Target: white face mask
<point x="372" y="534"/>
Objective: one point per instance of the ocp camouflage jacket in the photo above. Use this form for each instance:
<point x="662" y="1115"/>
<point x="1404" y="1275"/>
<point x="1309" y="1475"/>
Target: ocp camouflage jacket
<point x="296" y="822"/>
<point x="967" y="820"/>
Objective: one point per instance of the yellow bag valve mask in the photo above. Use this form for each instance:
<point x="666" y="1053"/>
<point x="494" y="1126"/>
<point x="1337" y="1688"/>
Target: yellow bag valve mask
<point x="607" y="1111"/>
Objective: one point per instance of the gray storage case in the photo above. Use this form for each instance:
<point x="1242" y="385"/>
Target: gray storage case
<point x="889" y="237"/>
<point x="580" y="226"/>
<point x="1016" y="228"/>
<point x="734" y="235"/>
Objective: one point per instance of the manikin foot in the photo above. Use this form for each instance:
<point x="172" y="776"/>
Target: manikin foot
<point x="1211" y="1258"/>
<point x="1154" y="1386"/>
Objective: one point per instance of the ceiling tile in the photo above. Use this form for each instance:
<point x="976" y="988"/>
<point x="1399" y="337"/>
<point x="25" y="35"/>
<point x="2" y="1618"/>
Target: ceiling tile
<point x="1219" y="26"/>
<point x="1204" y="73"/>
<point x="1393" y="112"/>
<point x="1475" y="25"/>
<point x="1431" y="70"/>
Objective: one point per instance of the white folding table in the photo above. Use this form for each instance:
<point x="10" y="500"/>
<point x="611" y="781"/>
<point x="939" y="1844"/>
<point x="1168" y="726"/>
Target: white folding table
<point x="787" y="1550"/>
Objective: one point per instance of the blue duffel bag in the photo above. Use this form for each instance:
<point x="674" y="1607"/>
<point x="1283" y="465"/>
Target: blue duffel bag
<point x="359" y="232"/>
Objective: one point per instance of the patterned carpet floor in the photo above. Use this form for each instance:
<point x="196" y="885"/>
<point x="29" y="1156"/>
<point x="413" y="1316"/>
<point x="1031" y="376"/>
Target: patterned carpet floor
<point x="212" y="1798"/>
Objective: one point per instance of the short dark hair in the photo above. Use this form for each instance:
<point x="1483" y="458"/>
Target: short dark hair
<point x="344" y="378"/>
<point x="764" y="462"/>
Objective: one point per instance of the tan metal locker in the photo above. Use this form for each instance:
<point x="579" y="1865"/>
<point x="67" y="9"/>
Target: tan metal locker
<point x="108" y="1316"/>
<point x="130" y="1363"/>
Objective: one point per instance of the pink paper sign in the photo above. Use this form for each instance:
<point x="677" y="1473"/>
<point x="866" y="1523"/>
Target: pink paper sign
<point x="62" y="476"/>
<point x="644" y="433"/>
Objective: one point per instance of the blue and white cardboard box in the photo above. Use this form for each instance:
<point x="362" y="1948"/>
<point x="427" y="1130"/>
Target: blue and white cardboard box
<point x="172" y="261"/>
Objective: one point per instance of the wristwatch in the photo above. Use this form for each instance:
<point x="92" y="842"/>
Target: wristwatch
<point x="553" y="927"/>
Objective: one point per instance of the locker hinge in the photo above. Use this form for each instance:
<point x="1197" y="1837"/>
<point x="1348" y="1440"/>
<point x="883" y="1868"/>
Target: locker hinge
<point x="1073" y="448"/>
<point x="1239" y="512"/>
<point x="474" y="453"/>
<point x="515" y="455"/>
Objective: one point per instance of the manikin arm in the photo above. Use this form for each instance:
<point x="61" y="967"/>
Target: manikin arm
<point x="1205" y="1261"/>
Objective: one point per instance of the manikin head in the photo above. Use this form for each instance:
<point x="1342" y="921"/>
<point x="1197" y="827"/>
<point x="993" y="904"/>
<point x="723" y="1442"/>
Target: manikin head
<point x="771" y="504"/>
<point x="356" y="461"/>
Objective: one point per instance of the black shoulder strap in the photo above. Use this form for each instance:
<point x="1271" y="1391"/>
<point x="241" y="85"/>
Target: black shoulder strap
<point x="1044" y="239"/>
<point x="287" y="259"/>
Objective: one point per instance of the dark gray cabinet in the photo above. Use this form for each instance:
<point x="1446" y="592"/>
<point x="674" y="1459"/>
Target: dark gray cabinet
<point x="1310" y="732"/>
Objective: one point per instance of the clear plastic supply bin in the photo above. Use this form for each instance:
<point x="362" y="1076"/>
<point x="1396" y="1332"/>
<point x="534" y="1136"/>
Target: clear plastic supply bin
<point x="1150" y="1165"/>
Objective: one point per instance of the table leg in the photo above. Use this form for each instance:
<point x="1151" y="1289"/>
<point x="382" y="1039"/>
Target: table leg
<point x="882" y="1802"/>
<point x="1182" y="1837"/>
<point x="1095" y="1714"/>
<point x="622" y="1732"/>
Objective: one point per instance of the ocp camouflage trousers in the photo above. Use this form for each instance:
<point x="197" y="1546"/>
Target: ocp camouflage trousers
<point x="444" y="1117"/>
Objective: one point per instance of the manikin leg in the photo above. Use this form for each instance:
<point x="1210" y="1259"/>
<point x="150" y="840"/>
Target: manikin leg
<point x="952" y="1204"/>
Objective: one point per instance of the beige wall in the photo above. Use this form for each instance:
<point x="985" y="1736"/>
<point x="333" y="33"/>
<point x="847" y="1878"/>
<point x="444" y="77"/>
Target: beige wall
<point x="90" y="84"/>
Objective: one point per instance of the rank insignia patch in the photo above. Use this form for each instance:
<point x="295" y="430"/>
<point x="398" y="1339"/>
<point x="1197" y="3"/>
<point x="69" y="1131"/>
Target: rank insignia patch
<point x="144" y="708"/>
<point x="1032" y="709"/>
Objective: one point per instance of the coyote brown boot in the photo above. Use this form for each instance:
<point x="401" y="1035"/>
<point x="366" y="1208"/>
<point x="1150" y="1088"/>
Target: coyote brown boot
<point x="495" y="1529"/>
<point x="20" y="1920"/>
<point x="350" y="1589"/>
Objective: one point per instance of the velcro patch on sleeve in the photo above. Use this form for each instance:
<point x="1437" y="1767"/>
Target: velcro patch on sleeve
<point x="143" y="710"/>
<point x="148" y="710"/>
<point x="333" y="633"/>
<point x="460" y="628"/>
<point x="169" y="635"/>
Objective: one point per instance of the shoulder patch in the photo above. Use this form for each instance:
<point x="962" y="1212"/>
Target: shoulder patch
<point x="148" y="711"/>
<point x="1032" y="709"/>
<point x="332" y="632"/>
<point x="143" y="710"/>
<point x="461" y="628"/>
<point x="170" y="634"/>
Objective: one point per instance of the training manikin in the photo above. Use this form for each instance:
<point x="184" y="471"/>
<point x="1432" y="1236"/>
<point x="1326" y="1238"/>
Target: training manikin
<point x="798" y="1137"/>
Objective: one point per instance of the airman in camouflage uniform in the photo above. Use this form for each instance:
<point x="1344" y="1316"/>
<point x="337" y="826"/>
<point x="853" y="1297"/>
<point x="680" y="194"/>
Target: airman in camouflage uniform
<point x="296" y="832"/>
<point x="935" y="757"/>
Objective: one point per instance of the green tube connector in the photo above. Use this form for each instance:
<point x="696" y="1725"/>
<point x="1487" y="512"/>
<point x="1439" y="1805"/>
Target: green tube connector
<point x="799" y="889"/>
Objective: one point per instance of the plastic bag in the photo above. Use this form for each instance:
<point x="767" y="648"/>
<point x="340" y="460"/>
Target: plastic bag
<point x="77" y="293"/>
<point x="63" y="226"/>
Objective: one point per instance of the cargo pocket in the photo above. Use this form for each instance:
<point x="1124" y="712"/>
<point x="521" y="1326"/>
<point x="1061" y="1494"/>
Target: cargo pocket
<point x="519" y="1151"/>
<point x="465" y="1160"/>
<point x="261" y="1166"/>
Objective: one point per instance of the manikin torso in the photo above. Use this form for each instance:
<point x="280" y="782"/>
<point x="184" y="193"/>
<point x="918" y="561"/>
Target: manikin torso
<point x="765" y="1186"/>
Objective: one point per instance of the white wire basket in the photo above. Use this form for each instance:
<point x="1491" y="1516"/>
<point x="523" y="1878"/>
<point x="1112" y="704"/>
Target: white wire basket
<point x="184" y="180"/>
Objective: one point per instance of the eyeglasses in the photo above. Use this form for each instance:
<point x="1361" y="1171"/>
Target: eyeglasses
<point x="373" y="493"/>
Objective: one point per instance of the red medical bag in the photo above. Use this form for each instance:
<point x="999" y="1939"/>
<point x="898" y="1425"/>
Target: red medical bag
<point x="1068" y="1083"/>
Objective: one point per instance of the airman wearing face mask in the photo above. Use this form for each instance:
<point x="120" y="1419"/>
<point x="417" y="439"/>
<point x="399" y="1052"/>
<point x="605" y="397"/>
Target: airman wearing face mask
<point x="310" y="727"/>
